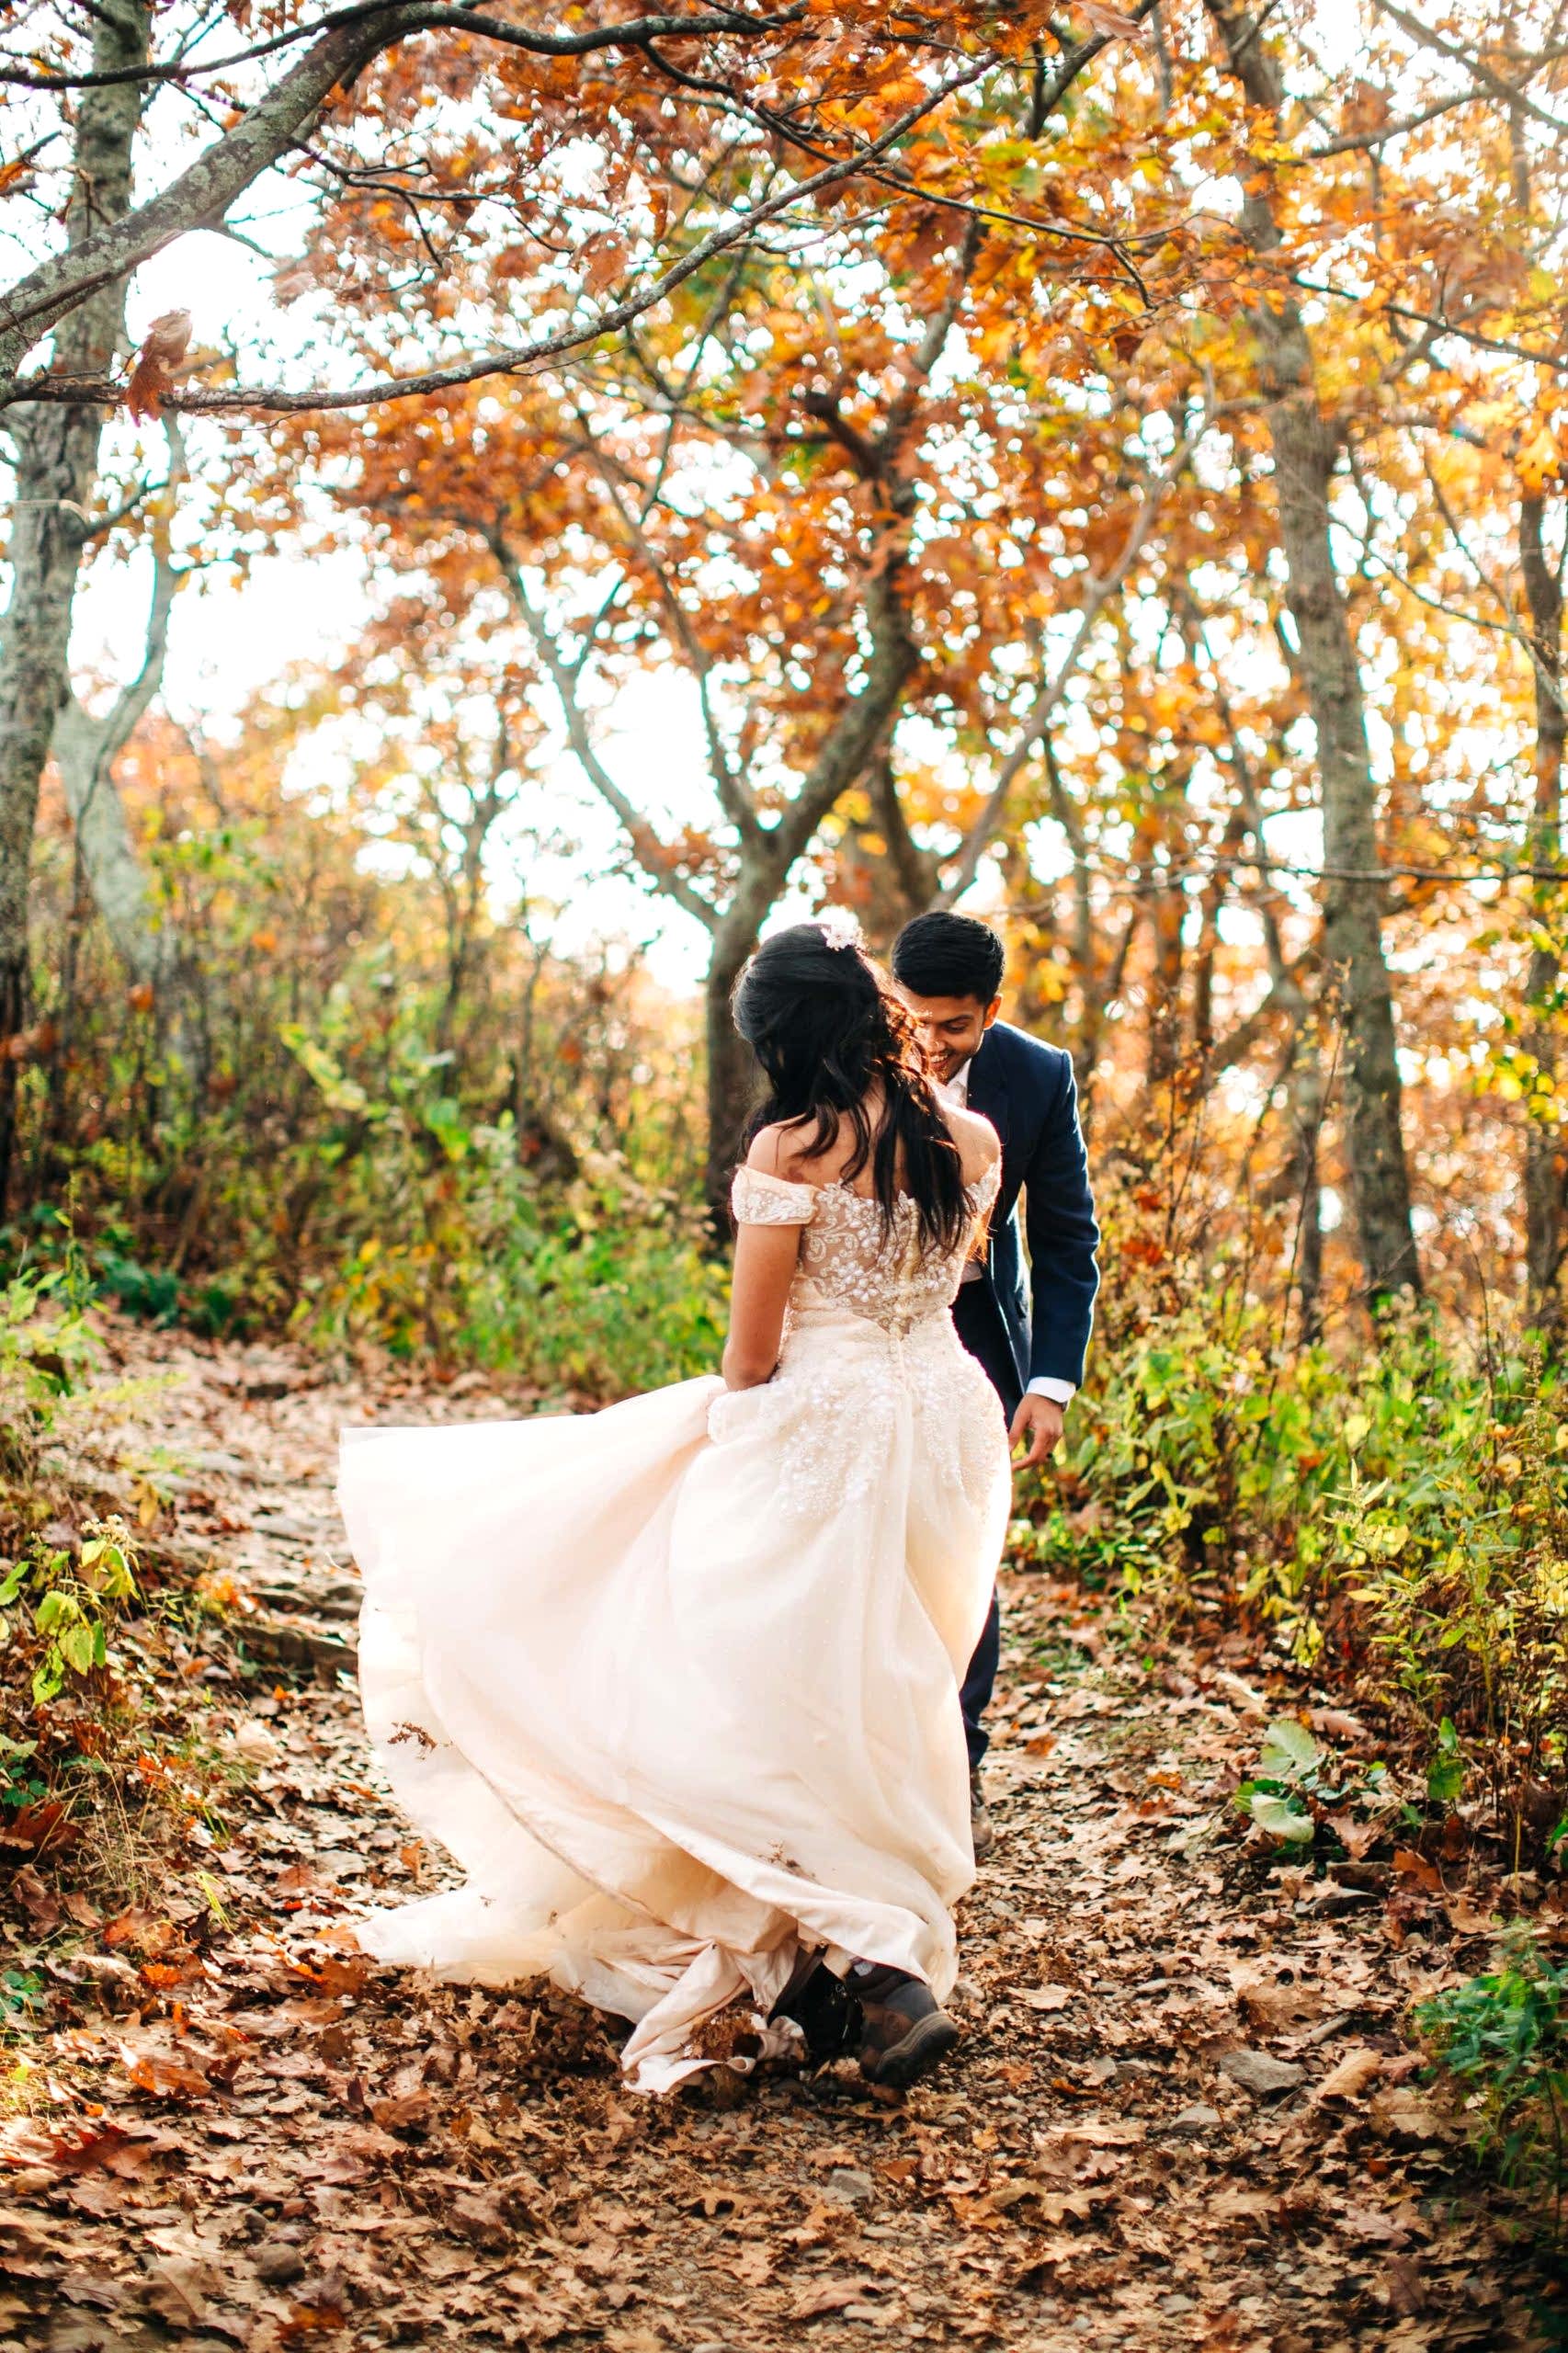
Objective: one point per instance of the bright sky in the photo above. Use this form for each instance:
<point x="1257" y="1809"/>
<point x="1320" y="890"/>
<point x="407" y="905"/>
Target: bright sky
<point x="231" y="636"/>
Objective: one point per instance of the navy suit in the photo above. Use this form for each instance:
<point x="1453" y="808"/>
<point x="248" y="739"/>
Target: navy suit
<point x="1022" y="1331"/>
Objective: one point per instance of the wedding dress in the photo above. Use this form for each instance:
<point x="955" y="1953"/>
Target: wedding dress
<point x="675" y="1683"/>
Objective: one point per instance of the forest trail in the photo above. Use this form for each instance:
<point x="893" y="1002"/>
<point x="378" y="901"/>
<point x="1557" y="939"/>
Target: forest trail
<point x="1181" y="2117"/>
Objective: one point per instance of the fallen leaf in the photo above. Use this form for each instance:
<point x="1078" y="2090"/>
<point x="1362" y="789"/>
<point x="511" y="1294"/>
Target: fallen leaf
<point x="1371" y="2222"/>
<point x="1237" y="2205"/>
<point x="1350" y="2078"/>
<point x="833" y="2297"/>
<point x="1094" y="2135"/>
<point x="40" y="1902"/>
<point x="395" y="2115"/>
<point x="1355" y="1837"/>
<point x="1400" y="2114"/>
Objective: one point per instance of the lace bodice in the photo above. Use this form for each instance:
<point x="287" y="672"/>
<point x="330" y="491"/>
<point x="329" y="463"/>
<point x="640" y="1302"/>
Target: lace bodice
<point x="851" y="1262"/>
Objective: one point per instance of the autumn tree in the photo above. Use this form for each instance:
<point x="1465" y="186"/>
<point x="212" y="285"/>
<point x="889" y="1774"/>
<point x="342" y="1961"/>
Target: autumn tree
<point x="56" y="453"/>
<point x="337" y="99"/>
<point x="788" y="486"/>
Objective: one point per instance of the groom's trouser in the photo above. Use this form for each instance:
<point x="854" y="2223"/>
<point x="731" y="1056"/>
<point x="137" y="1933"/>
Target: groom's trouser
<point x="979" y="1326"/>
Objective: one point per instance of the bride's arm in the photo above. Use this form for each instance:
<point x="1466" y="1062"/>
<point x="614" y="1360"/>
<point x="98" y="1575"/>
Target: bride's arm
<point x="765" y="1267"/>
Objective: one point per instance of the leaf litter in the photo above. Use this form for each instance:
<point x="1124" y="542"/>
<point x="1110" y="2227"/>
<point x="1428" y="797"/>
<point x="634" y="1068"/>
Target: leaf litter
<point x="1183" y="2114"/>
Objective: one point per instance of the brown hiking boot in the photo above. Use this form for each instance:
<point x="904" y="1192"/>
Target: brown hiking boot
<point x="981" y="1829"/>
<point x="902" y="2030"/>
<point x="828" y="2013"/>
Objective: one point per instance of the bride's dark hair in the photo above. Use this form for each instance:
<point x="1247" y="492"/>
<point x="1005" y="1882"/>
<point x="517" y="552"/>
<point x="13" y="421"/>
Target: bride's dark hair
<point x="827" y="1031"/>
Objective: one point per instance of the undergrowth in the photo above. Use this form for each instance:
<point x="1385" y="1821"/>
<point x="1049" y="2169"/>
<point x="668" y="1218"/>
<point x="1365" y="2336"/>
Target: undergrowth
<point x="1393" y="1521"/>
<point x="101" y="1756"/>
<point x="1500" y="2043"/>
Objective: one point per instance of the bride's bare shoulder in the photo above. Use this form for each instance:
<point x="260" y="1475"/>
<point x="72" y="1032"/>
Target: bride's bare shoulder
<point x="979" y="1144"/>
<point x="775" y="1150"/>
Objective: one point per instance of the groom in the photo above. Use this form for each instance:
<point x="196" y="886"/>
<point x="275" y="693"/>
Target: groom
<point x="1028" y="1326"/>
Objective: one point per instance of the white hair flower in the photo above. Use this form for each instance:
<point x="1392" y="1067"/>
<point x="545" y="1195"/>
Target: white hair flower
<point x="838" y="928"/>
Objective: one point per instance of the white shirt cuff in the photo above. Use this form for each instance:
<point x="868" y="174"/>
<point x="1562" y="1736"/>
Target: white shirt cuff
<point x="1061" y="1392"/>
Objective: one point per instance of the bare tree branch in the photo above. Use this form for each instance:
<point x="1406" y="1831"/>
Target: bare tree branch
<point x="54" y="289"/>
<point x="1511" y="94"/>
<point x="1099" y="589"/>
<point x="635" y="33"/>
<point x="650" y="854"/>
<point x="1360" y="142"/>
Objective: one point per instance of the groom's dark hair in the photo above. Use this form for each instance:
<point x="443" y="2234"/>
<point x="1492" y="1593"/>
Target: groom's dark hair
<point x="944" y="955"/>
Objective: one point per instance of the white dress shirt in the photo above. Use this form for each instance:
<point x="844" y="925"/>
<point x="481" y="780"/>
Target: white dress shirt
<point x="1061" y="1392"/>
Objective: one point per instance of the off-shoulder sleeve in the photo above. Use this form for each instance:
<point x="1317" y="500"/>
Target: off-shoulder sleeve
<point x="757" y="1198"/>
<point x="986" y="1186"/>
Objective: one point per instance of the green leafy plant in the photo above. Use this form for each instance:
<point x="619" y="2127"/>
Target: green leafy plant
<point x="1296" y="1773"/>
<point x="21" y="1992"/>
<point x="1501" y="2040"/>
<point x="1446" y="1772"/>
<point x="70" y="1601"/>
<point x="1288" y="1769"/>
<point x="19" y="1786"/>
<point x="1395" y="1520"/>
<point x="46" y="1347"/>
<point x="150" y="1293"/>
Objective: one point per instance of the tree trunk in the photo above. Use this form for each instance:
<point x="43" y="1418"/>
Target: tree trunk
<point x="1168" y="913"/>
<point x="733" y="1085"/>
<point x="1305" y="448"/>
<point x="57" y="454"/>
<point x="115" y="876"/>
<point x="86" y="749"/>
<point x="1543" y="1157"/>
<point x="1307" y="1109"/>
<point x="1353" y="895"/>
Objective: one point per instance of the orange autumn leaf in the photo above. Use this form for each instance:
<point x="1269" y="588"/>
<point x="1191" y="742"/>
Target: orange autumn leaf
<point x="167" y="341"/>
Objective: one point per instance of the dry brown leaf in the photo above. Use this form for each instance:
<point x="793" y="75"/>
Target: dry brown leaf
<point x="1363" y="2222"/>
<point x="1335" y="1724"/>
<point x="832" y="2297"/>
<point x="1400" y="2114"/>
<point x="1350" y="2078"/>
<point x="1094" y="2135"/>
<point x="1355" y="1837"/>
<point x="394" y="2115"/>
<point x="166" y="342"/>
<point x="1237" y="2205"/>
<point x="1111" y="22"/>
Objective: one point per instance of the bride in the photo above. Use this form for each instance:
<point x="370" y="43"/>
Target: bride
<point x="676" y="1683"/>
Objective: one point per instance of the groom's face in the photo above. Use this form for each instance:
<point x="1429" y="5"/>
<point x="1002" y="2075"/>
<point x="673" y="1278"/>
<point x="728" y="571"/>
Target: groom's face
<point x="950" y="1028"/>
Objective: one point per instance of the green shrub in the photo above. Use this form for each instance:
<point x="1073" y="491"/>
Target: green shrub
<point x="1500" y="2040"/>
<point x="1396" y="1518"/>
<point x="68" y="1603"/>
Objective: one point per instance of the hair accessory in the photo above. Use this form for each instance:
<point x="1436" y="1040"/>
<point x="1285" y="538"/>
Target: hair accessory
<point x="838" y="928"/>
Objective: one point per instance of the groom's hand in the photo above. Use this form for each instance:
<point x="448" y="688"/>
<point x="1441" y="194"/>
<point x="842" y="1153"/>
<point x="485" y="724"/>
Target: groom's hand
<point x="1038" y="1424"/>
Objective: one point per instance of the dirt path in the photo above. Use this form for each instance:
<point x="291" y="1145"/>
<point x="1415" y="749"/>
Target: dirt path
<point x="1181" y="2117"/>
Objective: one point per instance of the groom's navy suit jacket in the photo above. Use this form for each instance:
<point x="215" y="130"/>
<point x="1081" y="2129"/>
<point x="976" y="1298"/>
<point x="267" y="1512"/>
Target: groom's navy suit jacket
<point x="1044" y="1311"/>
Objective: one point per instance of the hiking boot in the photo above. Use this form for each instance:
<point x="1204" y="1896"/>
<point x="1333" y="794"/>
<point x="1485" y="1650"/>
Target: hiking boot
<point x="902" y="2030"/>
<point x="981" y="1829"/>
<point x="826" y="2011"/>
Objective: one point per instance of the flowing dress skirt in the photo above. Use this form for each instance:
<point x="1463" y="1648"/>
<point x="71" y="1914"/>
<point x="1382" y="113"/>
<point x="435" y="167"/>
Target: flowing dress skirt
<point x="675" y="1683"/>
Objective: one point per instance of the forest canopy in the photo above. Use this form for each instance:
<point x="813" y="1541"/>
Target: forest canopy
<point x="1105" y="465"/>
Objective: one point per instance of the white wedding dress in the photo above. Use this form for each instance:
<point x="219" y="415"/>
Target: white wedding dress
<point x="675" y="1683"/>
